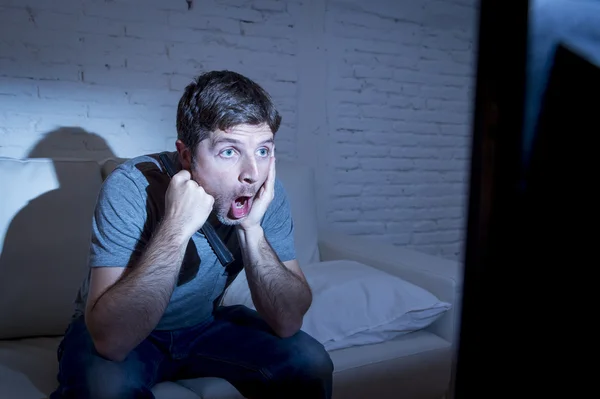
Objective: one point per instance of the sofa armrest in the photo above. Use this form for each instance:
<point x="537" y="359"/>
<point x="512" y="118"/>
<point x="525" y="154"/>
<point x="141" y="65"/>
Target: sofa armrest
<point x="441" y="277"/>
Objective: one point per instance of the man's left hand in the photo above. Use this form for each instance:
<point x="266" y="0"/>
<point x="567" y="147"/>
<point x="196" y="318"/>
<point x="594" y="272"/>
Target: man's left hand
<point x="262" y="200"/>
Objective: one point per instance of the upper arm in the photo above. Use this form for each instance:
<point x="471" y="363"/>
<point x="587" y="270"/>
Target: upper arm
<point x="118" y="222"/>
<point x="117" y="233"/>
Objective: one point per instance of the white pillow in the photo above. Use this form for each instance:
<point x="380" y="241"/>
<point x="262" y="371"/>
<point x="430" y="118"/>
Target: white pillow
<point x="355" y="304"/>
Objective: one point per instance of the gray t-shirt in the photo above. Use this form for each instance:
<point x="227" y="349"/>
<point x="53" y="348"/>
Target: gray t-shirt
<point x="130" y="205"/>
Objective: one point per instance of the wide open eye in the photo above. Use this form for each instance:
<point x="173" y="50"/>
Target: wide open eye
<point x="263" y="152"/>
<point x="227" y="153"/>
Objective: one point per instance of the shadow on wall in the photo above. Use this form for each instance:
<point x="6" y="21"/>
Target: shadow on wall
<point x="44" y="256"/>
<point x="71" y="142"/>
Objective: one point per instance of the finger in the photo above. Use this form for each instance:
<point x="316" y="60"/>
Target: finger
<point x="269" y="184"/>
<point x="271" y="177"/>
<point x="193" y="184"/>
<point x="182" y="175"/>
<point x="210" y="199"/>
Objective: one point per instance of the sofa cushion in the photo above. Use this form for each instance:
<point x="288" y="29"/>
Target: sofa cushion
<point x="45" y="225"/>
<point x="417" y="364"/>
<point x="28" y="367"/>
<point x="297" y="179"/>
<point x="355" y="304"/>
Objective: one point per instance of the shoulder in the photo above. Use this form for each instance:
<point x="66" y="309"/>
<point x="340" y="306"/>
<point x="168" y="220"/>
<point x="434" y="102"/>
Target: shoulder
<point x="278" y="224"/>
<point x="281" y="196"/>
<point x="279" y="208"/>
<point x="280" y="192"/>
<point x="143" y="174"/>
<point x="134" y="188"/>
<point x="135" y="169"/>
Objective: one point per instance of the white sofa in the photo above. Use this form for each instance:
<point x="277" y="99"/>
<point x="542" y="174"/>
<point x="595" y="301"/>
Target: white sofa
<point x="45" y="211"/>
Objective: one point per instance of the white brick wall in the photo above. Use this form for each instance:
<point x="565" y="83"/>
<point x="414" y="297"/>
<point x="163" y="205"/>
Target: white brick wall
<point x="376" y="94"/>
<point x="117" y="68"/>
<point x="400" y="81"/>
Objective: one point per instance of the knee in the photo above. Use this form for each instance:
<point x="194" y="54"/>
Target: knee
<point x="109" y="380"/>
<point x="314" y="360"/>
<point x="83" y="373"/>
<point x="100" y="378"/>
<point x="306" y="360"/>
<point x="303" y="369"/>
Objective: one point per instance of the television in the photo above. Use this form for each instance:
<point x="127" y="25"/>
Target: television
<point x="531" y="245"/>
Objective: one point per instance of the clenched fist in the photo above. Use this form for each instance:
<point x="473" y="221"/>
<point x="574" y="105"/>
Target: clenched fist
<point x="187" y="205"/>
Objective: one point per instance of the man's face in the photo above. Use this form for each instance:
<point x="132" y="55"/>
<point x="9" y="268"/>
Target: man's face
<point x="232" y="166"/>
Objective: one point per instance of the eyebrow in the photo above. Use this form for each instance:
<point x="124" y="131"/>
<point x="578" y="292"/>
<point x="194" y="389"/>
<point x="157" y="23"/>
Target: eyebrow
<point x="220" y="140"/>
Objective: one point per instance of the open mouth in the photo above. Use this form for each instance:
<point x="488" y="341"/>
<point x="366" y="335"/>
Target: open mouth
<point x="240" y="207"/>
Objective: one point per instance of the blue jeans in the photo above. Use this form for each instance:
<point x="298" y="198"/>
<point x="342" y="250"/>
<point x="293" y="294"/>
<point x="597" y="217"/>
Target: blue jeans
<point x="234" y="344"/>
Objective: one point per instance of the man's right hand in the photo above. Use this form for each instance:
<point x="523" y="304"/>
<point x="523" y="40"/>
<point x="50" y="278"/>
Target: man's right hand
<point x="187" y="205"/>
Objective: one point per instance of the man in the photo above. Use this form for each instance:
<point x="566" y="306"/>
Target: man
<point x="149" y="310"/>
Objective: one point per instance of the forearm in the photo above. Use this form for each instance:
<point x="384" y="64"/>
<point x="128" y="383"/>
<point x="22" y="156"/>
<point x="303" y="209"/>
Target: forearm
<point x="279" y="295"/>
<point x="126" y="313"/>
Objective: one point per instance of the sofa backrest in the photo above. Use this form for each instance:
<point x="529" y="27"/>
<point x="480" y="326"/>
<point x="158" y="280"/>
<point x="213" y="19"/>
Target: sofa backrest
<point x="46" y="209"/>
<point x="45" y="226"/>
<point x="298" y="180"/>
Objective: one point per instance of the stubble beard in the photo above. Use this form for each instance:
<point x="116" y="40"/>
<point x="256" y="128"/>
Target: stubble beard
<point x="221" y="209"/>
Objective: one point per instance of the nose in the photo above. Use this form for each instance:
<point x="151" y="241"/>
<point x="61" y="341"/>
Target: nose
<point x="249" y="172"/>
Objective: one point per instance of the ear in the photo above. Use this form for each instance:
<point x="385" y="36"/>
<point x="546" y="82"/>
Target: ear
<point x="185" y="155"/>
